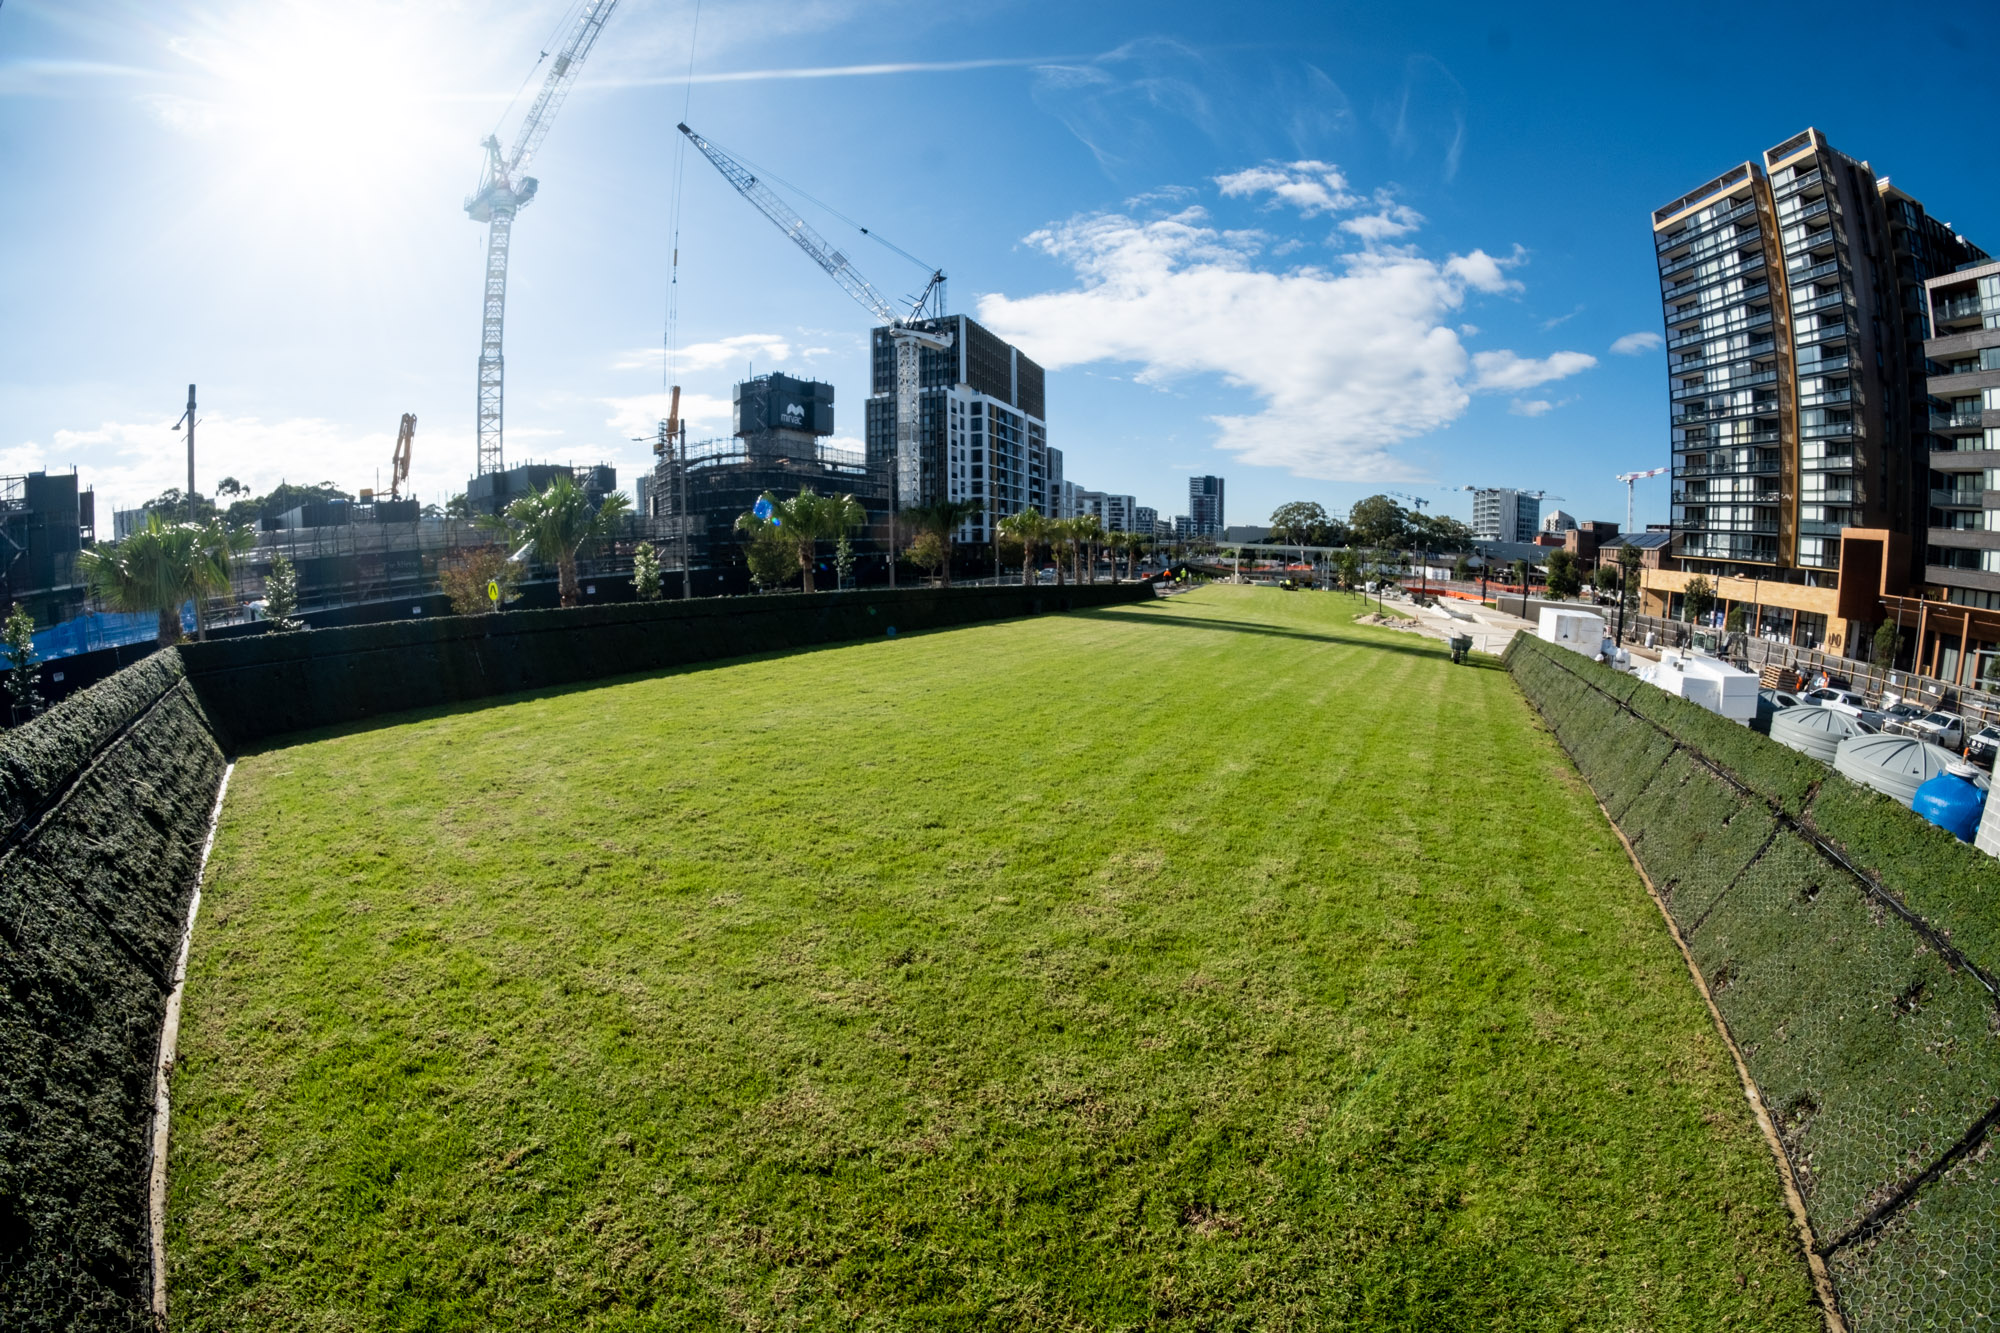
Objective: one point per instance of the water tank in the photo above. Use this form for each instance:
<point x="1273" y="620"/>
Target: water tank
<point x="1952" y="802"/>
<point x="1814" y="731"/>
<point x="1893" y="765"/>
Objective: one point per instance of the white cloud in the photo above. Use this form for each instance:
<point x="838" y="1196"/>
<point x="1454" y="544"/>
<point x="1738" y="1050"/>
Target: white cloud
<point x="1394" y="220"/>
<point x="1310" y="187"/>
<point x="1636" y="344"/>
<point x="1344" y="361"/>
<point x="1507" y="371"/>
<point x="1530" y="407"/>
<point x="734" y="351"/>
<point x="128" y="463"/>
<point x="639" y="418"/>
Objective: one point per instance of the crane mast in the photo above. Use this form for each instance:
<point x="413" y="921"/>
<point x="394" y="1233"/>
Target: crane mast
<point x="503" y="192"/>
<point x="909" y="341"/>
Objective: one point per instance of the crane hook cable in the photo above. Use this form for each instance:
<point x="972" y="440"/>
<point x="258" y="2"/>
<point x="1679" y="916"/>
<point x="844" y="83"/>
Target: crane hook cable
<point x="680" y="167"/>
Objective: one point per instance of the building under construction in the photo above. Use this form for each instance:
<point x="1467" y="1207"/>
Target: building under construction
<point x="44" y="521"/>
<point x="703" y="488"/>
<point x="492" y="492"/>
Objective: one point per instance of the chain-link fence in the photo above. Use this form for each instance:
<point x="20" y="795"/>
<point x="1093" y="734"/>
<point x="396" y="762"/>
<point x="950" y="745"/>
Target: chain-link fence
<point x="1874" y="1043"/>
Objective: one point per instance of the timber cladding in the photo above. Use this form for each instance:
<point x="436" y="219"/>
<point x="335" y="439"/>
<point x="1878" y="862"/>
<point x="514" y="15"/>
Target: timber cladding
<point x="1850" y="947"/>
<point x="263" y="686"/>
<point x="106" y="801"/>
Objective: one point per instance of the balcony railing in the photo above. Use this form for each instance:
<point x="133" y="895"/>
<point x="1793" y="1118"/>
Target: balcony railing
<point x="1822" y="302"/>
<point x="1830" y="398"/>
<point x="1761" y="468"/>
<point x="1690" y="336"/>
<point x="1748" y="264"/>
<point x="1832" y="430"/>
<point x="1705" y="498"/>
<point x="1808" y="271"/>
<point x="1797" y="183"/>
<point x="1957" y="420"/>
<point x="1687" y="234"/>
<point x="1964" y="307"/>
<point x="1805" y="213"/>
<point x="1959" y="499"/>
<point x="1826" y="365"/>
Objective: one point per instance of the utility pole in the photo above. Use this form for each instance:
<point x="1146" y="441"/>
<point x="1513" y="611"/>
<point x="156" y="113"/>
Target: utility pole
<point x="188" y="421"/>
<point x="687" y="574"/>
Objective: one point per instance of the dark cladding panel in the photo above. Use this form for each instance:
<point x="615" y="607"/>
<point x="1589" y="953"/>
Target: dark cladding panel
<point x="1031" y="383"/>
<point x="989" y="367"/>
<point x="780" y="402"/>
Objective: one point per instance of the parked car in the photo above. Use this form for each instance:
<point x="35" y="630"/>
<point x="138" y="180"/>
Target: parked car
<point x="1841" y="701"/>
<point x="1783" y="698"/>
<point x="1899" y="717"/>
<point x="1946" y="729"/>
<point x="1982" y="745"/>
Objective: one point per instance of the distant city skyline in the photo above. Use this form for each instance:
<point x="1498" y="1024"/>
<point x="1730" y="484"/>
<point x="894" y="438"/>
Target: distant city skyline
<point x="1389" y="252"/>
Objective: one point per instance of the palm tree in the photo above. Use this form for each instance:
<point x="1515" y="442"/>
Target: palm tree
<point x="1089" y="532"/>
<point x="1030" y="529"/>
<point x="943" y="517"/>
<point x="558" y="522"/>
<point x="1061" y="534"/>
<point x="163" y="565"/>
<point x="805" y="521"/>
<point x="1135" y="546"/>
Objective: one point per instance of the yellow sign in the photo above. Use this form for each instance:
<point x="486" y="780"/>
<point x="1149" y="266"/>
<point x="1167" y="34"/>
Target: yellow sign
<point x="493" y="590"/>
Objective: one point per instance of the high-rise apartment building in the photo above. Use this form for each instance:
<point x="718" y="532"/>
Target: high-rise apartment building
<point x="1793" y="290"/>
<point x="1962" y="563"/>
<point x="1793" y="286"/>
<point x="1503" y="515"/>
<point x="983" y="434"/>
<point x="1205" y="515"/>
<point x="1146" y="521"/>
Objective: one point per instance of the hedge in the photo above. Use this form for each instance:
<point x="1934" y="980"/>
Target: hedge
<point x="255" y="688"/>
<point x="1842" y="938"/>
<point x="106" y="799"/>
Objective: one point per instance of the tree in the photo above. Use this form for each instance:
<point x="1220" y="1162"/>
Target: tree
<point x="1347" y="566"/>
<point x="1136" y="546"/>
<point x="217" y="547"/>
<point x="843" y="562"/>
<point x="281" y="596"/>
<point x="1884" y="645"/>
<point x="1521" y="574"/>
<point x="1605" y="579"/>
<point x="930" y="554"/>
<point x="1563" y="575"/>
<point x="1031" y="530"/>
<point x="943" y="519"/>
<point x="1734" y="621"/>
<point x="1379" y="521"/>
<point x="1061" y="534"/>
<point x="24" y="679"/>
<point x="1439" y="532"/>
<point x="646" y="572"/>
<point x="1089" y="532"/>
<point x="458" y="506"/>
<point x="161" y="567"/>
<point x="558" y="521"/>
<point x="1461" y="568"/>
<point x="231" y="487"/>
<point x="464" y="576"/>
<point x="1629" y="576"/>
<point x="1300" y="523"/>
<point x="1696" y="598"/>
<point x="801" y="524"/>
<point x="773" y="559"/>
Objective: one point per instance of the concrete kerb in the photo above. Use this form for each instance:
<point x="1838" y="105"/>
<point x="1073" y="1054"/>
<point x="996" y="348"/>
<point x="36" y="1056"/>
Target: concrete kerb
<point x="163" y="1069"/>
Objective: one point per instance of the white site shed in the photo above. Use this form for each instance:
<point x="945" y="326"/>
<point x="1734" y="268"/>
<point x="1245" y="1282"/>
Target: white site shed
<point x="1710" y="682"/>
<point x="1576" y="629"/>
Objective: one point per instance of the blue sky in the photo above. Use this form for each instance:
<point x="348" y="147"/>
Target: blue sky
<point x="1319" y="250"/>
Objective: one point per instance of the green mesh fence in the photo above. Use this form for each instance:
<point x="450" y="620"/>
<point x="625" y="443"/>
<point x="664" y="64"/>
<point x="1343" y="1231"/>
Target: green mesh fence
<point x="1850" y="948"/>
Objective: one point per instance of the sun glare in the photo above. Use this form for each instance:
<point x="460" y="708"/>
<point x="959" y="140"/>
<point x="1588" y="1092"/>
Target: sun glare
<point x="311" y="96"/>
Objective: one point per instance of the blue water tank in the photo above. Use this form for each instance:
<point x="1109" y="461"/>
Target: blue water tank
<point x="1952" y="803"/>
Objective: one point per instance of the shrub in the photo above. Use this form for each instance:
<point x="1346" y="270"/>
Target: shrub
<point x="466" y="575"/>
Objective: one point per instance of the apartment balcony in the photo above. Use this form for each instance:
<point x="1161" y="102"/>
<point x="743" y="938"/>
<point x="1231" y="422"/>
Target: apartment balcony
<point x="1819" y="528"/>
<point x="1760" y="468"/>
<point x="1687" y="235"/>
<point x="1759" y="320"/>
<point x="1695" y="282"/>
<point x="1811" y="303"/>
<point x="1964" y="460"/>
<point x="1701" y="499"/>
<point x="1959" y="498"/>
<point x="1952" y="421"/>
<point x="1823" y="239"/>
<point x="1832" y="430"/>
<point x="1826" y="365"/>
<point x="1718" y="249"/>
<point x="1804" y="212"/>
<point x="1798" y="183"/>
<point x="1831" y="398"/>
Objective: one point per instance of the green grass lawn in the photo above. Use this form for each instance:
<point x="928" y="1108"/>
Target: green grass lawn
<point x="1215" y="963"/>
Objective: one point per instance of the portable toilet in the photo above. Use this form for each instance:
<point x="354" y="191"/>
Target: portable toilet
<point x="1574" y="628"/>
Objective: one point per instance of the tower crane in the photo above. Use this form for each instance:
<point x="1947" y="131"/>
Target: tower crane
<point x="503" y="192"/>
<point x="1417" y="502"/>
<point x="908" y="339"/>
<point x="1629" y="478"/>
